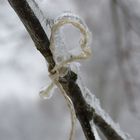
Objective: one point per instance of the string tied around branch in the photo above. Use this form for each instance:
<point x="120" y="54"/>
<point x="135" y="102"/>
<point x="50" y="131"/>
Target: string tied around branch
<point x="64" y="58"/>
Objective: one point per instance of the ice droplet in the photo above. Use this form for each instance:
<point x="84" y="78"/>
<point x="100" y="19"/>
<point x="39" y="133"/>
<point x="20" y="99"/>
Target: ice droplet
<point x="47" y="92"/>
<point x="97" y="137"/>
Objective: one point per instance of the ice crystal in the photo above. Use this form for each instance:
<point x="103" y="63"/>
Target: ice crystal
<point x="47" y="92"/>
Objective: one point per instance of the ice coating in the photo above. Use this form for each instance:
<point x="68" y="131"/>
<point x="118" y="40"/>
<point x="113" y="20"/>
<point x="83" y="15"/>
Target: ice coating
<point x="69" y="18"/>
<point x="97" y="137"/>
<point x="95" y="103"/>
<point x="36" y="10"/>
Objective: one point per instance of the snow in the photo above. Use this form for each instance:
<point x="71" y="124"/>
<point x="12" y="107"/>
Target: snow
<point x="47" y="92"/>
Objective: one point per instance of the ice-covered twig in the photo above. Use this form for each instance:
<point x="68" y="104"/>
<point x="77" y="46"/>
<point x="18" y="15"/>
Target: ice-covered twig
<point x="84" y="111"/>
<point x="63" y="57"/>
<point x="104" y="121"/>
<point x="100" y="118"/>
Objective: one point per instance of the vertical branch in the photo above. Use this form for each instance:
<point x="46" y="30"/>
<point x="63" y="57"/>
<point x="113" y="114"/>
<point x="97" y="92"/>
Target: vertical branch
<point x="122" y="55"/>
<point x="132" y="72"/>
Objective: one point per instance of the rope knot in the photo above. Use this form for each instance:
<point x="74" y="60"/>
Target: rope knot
<point x="65" y="60"/>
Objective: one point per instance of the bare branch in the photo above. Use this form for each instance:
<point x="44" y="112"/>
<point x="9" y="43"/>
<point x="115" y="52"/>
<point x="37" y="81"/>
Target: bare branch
<point x="34" y="28"/>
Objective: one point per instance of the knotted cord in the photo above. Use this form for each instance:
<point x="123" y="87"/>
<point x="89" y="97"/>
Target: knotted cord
<point x="62" y="61"/>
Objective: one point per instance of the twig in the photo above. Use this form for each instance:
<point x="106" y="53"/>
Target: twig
<point x="84" y="112"/>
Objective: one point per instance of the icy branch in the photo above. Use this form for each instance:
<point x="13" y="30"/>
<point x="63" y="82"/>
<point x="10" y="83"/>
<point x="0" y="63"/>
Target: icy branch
<point x="86" y="111"/>
<point x="110" y="129"/>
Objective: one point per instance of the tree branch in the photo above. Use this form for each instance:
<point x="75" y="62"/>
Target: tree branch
<point x="34" y="28"/>
<point x="84" y="112"/>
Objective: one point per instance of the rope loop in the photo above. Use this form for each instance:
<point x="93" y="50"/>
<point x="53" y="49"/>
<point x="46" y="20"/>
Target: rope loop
<point x="63" y="57"/>
<point x="77" y="22"/>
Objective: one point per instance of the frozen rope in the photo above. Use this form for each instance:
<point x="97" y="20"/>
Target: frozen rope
<point x="58" y="49"/>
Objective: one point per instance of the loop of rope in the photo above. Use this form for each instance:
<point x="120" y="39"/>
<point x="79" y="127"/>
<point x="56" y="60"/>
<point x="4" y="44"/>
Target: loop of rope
<point x="61" y="68"/>
<point x="70" y="18"/>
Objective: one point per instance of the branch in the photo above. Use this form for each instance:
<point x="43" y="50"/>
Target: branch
<point x="34" y="28"/>
<point x="131" y="12"/>
<point x="123" y="56"/>
<point x="41" y="42"/>
<point x="84" y="112"/>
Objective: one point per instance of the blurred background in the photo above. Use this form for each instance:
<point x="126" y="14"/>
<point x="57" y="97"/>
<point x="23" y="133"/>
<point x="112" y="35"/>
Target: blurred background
<point x="112" y="73"/>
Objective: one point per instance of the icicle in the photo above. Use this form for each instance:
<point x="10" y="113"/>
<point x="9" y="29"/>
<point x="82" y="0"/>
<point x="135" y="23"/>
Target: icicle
<point x="47" y="92"/>
<point x="36" y="10"/>
<point x="95" y="103"/>
<point x="97" y="137"/>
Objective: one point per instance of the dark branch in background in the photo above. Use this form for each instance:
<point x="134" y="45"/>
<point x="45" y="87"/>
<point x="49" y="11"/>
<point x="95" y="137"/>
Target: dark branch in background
<point x="132" y="17"/>
<point x="84" y="112"/>
<point x="123" y="55"/>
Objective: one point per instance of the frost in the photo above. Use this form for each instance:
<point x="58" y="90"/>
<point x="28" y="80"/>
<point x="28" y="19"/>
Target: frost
<point x="46" y="22"/>
<point x="33" y="4"/>
<point x="95" y="103"/>
<point x="60" y="53"/>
